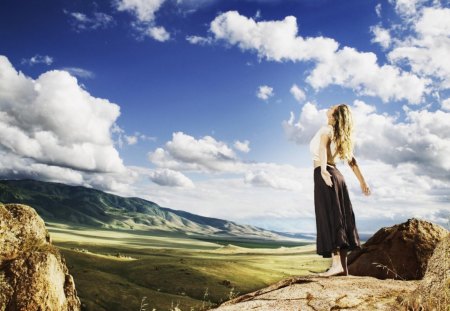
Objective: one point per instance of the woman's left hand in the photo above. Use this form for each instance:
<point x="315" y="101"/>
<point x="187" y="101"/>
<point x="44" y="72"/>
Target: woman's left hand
<point x="327" y="177"/>
<point x="365" y="188"/>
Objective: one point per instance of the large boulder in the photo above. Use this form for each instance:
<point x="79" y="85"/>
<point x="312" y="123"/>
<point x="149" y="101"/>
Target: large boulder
<point x="399" y="252"/>
<point x="433" y="291"/>
<point x="33" y="274"/>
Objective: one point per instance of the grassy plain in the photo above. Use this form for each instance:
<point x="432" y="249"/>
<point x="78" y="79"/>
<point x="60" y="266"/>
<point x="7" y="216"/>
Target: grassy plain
<point x="116" y="269"/>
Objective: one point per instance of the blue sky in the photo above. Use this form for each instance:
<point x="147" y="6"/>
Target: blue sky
<point x="208" y="106"/>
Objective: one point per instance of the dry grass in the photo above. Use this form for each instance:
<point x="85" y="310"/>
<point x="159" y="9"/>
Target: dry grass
<point x="418" y="303"/>
<point x="172" y="271"/>
<point x="206" y="303"/>
<point x="379" y="265"/>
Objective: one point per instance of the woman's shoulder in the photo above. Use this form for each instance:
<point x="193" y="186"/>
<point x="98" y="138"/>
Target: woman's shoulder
<point x="327" y="129"/>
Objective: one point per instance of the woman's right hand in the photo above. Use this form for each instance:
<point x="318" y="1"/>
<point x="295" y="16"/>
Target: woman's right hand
<point x="365" y="188"/>
<point x="326" y="177"/>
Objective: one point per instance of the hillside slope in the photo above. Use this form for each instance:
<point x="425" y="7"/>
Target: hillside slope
<point x="78" y="205"/>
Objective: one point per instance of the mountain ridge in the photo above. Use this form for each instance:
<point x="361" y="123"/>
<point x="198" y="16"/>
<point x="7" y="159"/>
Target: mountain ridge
<point x="79" y="205"/>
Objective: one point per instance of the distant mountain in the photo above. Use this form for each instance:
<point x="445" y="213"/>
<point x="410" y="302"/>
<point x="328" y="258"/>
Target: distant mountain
<point x="61" y="203"/>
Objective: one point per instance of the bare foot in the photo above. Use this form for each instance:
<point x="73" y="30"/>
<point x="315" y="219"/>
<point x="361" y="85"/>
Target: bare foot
<point x="334" y="270"/>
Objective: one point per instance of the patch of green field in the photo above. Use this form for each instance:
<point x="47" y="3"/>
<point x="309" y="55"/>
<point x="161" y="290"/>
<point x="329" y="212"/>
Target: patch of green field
<point x="123" y="238"/>
<point x="251" y="243"/>
<point x="171" y="268"/>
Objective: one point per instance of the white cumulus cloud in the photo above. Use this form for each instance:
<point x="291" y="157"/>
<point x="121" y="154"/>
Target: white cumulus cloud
<point x="406" y="8"/>
<point x="360" y="72"/>
<point x="158" y="33"/>
<point x="98" y="20"/>
<point x="378" y="9"/>
<point x="171" y="178"/>
<point x="427" y="49"/>
<point x="446" y="104"/>
<point x="280" y="41"/>
<point x="185" y="152"/>
<point x="242" y="146"/>
<point x="263" y="178"/>
<point x="199" y="40"/>
<point x="265" y="92"/>
<point x="381" y="36"/>
<point x="144" y="11"/>
<point x="273" y="40"/>
<point x="53" y="120"/>
<point x="38" y="59"/>
<point x="210" y="156"/>
<point x="131" y="140"/>
<point x="309" y="122"/>
<point x="298" y="93"/>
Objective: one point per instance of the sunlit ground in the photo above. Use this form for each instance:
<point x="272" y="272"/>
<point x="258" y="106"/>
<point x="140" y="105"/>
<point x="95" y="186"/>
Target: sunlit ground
<point x="115" y="270"/>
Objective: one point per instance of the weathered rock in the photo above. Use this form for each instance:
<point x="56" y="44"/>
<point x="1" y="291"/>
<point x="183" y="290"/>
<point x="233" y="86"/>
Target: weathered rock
<point x="400" y="252"/>
<point x="433" y="292"/>
<point x="319" y="293"/>
<point x="21" y="229"/>
<point x="33" y="275"/>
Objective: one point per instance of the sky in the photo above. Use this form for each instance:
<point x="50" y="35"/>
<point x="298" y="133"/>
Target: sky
<point x="208" y="106"/>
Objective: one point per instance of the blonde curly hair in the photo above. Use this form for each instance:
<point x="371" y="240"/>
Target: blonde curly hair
<point x="343" y="131"/>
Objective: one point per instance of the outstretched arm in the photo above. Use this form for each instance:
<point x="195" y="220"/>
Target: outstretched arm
<point x="355" y="168"/>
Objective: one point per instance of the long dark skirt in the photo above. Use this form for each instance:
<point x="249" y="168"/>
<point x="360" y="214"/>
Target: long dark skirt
<point x="335" y="220"/>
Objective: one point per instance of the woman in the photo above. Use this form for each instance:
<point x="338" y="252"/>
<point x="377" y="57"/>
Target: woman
<point x="335" y="220"/>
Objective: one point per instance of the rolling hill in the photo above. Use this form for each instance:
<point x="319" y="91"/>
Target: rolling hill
<point x="83" y="206"/>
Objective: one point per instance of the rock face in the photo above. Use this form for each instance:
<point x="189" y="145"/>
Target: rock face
<point x="33" y="275"/>
<point x="433" y="292"/>
<point x="399" y="252"/>
<point x="320" y="293"/>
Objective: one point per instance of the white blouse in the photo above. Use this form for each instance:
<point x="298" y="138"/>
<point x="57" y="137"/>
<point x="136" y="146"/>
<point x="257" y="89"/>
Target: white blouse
<point x="315" y="142"/>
